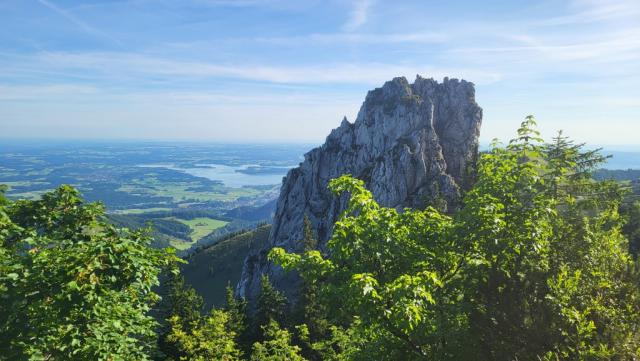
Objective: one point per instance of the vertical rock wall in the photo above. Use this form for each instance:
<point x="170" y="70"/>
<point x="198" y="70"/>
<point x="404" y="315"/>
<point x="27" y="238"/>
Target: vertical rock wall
<point x="410" y="143"/>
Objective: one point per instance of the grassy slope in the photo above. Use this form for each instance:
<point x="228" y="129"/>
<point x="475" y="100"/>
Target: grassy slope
<point x="202" y="226"/>
<point x="212" y="268"/>
<point x="143" y="210"/>
<point x="180" y="244"/>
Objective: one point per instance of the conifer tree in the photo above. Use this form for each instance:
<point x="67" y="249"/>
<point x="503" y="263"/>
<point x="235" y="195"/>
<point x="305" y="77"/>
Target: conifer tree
<point x="309" y="240"/>
<point x="236" y="308"/>
<point x="276" y="345"/>
<point x="270" y="306"/>
<point x="181" y="304"/>
<point x="184" y="301"/>
<point x="313" y="313"/>
<point x="211" y="339"/>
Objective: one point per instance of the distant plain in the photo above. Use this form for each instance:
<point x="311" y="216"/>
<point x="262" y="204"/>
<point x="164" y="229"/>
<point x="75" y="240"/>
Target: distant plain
<point x="186" y="190"/>
<point x="191" y="193"/>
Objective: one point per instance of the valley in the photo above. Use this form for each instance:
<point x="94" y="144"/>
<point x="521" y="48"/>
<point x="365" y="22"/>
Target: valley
<point x="188" y="192"/>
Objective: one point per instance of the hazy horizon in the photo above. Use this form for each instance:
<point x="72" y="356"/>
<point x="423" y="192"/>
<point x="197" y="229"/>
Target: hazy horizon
<point x="276" y="71"/>
<point x="31" y="141"/>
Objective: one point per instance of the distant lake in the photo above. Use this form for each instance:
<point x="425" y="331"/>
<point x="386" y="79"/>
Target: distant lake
<point x="233" y="176"/>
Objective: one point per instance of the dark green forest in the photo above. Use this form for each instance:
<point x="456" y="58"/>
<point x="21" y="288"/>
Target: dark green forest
<point x="537" y="262"/>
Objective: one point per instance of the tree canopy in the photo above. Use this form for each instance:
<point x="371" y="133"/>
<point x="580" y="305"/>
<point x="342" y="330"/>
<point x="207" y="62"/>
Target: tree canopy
<point x="533" y="266"/>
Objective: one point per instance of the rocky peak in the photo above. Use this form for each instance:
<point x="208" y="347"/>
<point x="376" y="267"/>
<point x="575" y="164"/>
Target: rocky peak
<point x="410" y="143"/>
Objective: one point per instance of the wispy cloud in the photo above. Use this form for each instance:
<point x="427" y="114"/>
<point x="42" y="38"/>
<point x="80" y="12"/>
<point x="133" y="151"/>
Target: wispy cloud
<point x="57" y="92"/>
<point x="45" y="91"/>
<point x="234" y="3"/>
<point x="137" y="65"/>
<point x="250" y="62"/>
<point x="357" y="38"/>
<point x="78" y="22"/>
<point x="359" y="14"/>
<point x="618" y="46"/>
<point x="591" y="11"/>
<point x="597" y="38"/>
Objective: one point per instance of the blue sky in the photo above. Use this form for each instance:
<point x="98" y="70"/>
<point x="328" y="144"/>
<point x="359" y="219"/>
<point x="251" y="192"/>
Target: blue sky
<point x="280" y="70"/>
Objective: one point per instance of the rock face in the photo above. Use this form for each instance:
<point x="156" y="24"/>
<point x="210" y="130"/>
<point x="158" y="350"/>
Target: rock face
<point x="410" y="143"/>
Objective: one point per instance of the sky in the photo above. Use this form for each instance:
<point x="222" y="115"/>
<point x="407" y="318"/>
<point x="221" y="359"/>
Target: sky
<point x="289" y="70"/>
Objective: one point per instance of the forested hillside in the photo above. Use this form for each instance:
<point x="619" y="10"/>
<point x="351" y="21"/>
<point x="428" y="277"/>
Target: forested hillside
<point x="210" y="269"/>
<point x="190" y="230"/>
<point x="535" y="264"/>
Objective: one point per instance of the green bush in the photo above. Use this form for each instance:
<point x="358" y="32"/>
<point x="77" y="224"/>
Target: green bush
<point x="74" y="287"/>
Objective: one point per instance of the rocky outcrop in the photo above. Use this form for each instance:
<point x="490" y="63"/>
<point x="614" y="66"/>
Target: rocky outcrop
<point x="411" y="143"/>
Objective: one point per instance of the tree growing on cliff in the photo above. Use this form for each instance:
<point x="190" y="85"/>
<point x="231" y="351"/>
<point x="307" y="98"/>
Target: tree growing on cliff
<point x="309" y="240"/>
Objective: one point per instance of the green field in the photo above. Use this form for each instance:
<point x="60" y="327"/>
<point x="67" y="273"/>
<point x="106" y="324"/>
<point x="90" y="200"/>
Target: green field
<point x="200" y="227"/>
<point x="182" y="192"/>
<point x="146" y="183"/>
<point x="180" y="244"/>
<point x="142" y="210"/>
<point x="136" y="179"/>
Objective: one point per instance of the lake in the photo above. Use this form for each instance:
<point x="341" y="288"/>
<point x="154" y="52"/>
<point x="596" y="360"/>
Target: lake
<point x="233" y="176"/>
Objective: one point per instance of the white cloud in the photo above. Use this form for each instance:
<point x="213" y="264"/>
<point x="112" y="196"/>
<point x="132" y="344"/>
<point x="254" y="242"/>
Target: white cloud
<point x="43" y="92"/>
<point x="577" y="65"/>
<point x="607" y="47"/>
<point x="234" y="3"/>
<point x="591" y="11"/>
<point x="359" y="14"/>
<point x="131" y="65"/>
<point x="359" y="38"/>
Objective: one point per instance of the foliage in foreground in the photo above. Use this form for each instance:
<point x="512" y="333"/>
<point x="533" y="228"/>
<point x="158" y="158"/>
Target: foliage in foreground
<point x="72" y="286"/>
<point x="213" y="339"/>
<point x="533" y="267"/>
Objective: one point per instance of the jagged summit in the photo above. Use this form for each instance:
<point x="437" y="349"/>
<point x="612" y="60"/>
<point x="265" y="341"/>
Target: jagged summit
<point x="410" y="143"/>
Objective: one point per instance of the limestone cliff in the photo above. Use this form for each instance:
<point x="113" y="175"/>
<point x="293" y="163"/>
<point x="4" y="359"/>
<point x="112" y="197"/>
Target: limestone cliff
<point x="410" y="143"/>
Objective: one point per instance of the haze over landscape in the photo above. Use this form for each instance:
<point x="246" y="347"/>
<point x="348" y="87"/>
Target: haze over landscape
<point x="280" y="70"/>
<point x="339" y="180"/>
